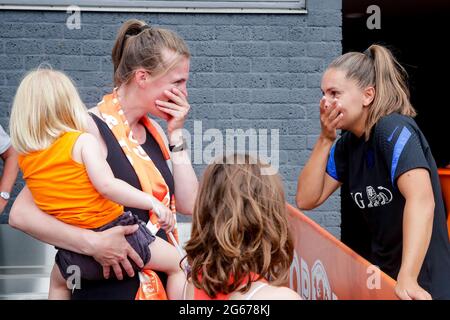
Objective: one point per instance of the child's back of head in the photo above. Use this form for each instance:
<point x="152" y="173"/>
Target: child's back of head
<point x="239" y="227"/>
<point x="45" y="106"/>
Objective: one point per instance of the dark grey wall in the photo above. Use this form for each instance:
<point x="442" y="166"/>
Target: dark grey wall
<point x="247" y="71"/>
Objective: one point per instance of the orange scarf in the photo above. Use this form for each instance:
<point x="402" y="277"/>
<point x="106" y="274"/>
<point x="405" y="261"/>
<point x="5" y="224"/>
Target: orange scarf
<point x="152" y="182"/>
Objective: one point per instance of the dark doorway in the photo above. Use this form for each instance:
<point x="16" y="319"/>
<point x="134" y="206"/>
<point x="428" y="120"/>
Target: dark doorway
<point x="417" y="33"/>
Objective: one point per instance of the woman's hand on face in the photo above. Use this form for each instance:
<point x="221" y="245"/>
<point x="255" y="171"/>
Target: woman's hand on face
<point x="177" y="108"/>
<point x="330" y="115"/>
<point x="113" y="250"/>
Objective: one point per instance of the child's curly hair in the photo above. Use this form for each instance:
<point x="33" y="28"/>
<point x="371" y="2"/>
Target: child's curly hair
<point x="239" y="227"/>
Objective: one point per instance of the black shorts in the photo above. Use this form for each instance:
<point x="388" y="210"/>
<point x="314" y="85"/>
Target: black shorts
<point x="89" y="268"/>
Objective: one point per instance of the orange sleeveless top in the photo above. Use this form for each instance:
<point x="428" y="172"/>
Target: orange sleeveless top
<point x="61" y="186"/>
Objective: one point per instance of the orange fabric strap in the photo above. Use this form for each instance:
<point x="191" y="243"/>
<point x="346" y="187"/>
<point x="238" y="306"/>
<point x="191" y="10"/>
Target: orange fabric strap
<point x="200" y="294"/>
<point x="149" y="176"/>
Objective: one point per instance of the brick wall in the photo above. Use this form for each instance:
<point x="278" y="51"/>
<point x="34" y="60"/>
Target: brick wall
<point x="258" y="71"/>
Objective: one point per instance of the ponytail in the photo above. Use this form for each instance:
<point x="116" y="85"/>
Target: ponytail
<point x="129" y="28"/>
<point x="378" y="68"/>
<point x="392" y="93"/>
<point x="139" y="45"/>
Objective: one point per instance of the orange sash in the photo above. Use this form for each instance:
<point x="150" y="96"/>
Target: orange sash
<point x="149" y="176"/>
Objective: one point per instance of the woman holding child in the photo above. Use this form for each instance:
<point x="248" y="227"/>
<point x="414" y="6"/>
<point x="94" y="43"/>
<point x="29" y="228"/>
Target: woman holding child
<point x="151" y="69"/>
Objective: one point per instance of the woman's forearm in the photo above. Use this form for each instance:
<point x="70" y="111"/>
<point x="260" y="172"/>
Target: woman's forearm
<point x="186" y="182"/>
<point x="418" y="214"/>
<point x="27" y="217"/>
<point x="10" y="170"/>
<point x="311" y="180"/>
<point x="417" y="230"/>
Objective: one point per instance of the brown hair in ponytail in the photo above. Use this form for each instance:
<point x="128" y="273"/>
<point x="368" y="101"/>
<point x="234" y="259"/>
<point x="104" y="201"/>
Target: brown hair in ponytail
<point x="141" y="46"/>
<point x="377" y="67"/>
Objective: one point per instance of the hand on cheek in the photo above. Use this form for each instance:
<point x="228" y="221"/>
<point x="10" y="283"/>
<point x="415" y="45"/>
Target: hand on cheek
<point x="176" y="107"/>
<point x="330" y="118"/>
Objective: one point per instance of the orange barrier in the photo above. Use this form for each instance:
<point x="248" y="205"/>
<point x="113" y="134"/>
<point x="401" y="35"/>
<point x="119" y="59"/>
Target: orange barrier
<point x="444" y="177"/>
<point x="326" y="269"/>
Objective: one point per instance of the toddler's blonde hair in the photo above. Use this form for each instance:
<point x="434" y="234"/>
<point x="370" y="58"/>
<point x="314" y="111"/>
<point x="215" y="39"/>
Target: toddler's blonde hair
<point x="46" y="105"/>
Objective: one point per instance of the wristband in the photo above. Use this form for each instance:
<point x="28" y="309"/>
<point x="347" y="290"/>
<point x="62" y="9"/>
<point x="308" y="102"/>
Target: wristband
<point x="177" y="148"/>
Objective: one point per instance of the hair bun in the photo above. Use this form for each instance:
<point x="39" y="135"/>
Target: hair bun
<point x="136" y="30"/>
<point x="145" y="27"/>
<point x="368" y="53"/>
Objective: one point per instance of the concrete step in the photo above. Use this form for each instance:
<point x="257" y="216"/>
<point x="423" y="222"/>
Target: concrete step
<point x="25" y="266"/>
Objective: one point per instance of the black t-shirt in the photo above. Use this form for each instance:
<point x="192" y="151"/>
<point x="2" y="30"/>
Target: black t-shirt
<point x="370" y="170"/>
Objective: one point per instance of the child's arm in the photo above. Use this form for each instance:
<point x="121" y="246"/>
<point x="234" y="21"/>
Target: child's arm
<point x="103" y="179"/>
